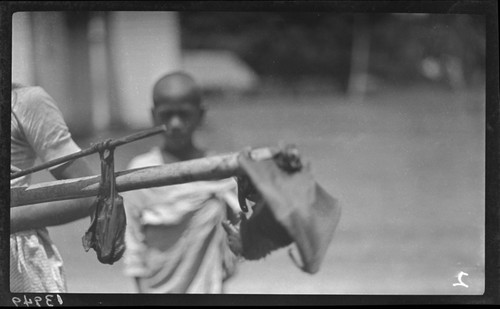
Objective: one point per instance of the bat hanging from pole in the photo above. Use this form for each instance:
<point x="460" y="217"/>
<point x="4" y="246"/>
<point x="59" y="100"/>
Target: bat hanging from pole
<point x="289" y="205"/>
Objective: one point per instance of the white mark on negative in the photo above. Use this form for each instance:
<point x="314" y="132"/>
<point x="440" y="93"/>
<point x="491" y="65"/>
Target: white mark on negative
<point x="460" y="282"/>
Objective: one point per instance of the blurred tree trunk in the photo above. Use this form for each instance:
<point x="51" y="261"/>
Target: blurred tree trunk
<point x="99" y="71"/>
<point x="360" y="54"/>
<point x="61" y="64"/>
<point x="116" y="121"/>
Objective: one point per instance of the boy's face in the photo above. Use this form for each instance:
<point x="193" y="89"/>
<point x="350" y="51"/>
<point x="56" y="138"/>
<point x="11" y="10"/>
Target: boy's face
<point x="181" y="119"/>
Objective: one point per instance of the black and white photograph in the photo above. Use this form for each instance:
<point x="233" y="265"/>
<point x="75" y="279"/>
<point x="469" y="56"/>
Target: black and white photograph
<point x="273" y="149"/>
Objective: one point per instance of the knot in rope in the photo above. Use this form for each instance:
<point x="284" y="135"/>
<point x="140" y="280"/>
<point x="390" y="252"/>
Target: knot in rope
<point x="103" y="146"/>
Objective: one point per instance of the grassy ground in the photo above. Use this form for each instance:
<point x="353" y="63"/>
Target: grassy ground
<point x="407" y="166"/>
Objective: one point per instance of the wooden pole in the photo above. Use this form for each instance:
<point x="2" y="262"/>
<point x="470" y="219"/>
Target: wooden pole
<point x="90" y="150"/>
<point x="208" y="168"/>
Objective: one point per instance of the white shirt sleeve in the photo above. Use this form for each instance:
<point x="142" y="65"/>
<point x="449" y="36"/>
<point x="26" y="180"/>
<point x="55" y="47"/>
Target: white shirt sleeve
<point x="44" y="127"/>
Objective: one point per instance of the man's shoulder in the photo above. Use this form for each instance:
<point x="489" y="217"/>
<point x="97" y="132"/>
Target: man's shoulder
<point x="31" y="92"/>
<point x="150" y="158"/>
<point x="30" y="98"/>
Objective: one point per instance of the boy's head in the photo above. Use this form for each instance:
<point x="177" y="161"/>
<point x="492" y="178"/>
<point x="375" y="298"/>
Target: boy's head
<point x="178" y="106"/>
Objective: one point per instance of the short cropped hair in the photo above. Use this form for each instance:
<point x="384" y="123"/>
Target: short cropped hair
<point x="176" y="86"/>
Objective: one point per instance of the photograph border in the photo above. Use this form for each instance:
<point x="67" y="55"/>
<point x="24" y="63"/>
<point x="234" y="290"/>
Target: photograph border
<point x="487" y="8"/>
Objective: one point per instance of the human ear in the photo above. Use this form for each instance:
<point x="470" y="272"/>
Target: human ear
<point x="202" y="112"/>
<point x="154" y="117"/>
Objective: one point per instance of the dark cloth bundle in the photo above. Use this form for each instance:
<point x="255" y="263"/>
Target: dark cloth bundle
<point x="106" y="234"/>
<point x="289" y="206"/>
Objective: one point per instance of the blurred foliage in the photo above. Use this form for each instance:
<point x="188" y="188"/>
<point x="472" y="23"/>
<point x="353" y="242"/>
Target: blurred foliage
<point x="291" y="46"/>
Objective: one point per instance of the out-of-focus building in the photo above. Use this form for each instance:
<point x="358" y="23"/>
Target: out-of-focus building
<point x="219" y="71"/>
<point x="100" y="66"/>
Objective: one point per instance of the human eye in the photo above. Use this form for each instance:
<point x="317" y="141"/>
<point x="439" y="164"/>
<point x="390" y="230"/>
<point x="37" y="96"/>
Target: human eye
<point x="165" y="115"/>
<point x="185" y="115"/>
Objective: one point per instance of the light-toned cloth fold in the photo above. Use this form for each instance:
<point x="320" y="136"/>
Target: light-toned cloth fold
<point x="175" y="240"/>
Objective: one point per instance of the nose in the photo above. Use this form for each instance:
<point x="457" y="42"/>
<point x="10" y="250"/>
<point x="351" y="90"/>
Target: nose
<point x="175" y="123"/>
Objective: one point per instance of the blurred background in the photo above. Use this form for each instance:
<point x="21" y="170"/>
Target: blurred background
<point x="388" y="108"/>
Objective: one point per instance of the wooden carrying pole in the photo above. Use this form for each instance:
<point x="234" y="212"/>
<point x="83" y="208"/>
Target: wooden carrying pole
<point x="91" y="150"/>
<point x="208" y="168"/>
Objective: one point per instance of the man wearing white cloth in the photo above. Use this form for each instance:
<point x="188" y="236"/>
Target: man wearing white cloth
<point x="175" y="239"/>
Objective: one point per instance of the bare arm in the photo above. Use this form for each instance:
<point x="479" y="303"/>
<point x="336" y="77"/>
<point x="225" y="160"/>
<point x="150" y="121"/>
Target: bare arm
<point x="40" y="124"/>
<point x="48" y="214"/>
<point x="77" y="168"/>
<point x="55" y="213"/>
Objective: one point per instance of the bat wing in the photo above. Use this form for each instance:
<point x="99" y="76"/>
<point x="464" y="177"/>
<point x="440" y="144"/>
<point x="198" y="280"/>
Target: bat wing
<point x="106" y="234"/>
<point x="293" y="208"/>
